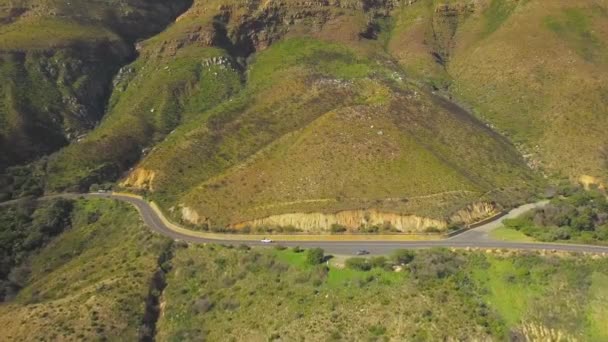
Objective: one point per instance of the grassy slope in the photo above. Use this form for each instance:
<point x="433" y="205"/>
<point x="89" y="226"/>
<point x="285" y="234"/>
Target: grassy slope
<point x="158" y="94"/>
<point x="258" y="295"/>
<point x="261" y="295"/>
<point x="522" y="291"/>
<point x="535" y="70"/>
<point x="58" y="59"/>
<point x="90" y="282"/>
<point x="507" y="234"/>
<point x="381" y="138"/>
<point x="292" y="85"/>
<point x="189" y="41"/>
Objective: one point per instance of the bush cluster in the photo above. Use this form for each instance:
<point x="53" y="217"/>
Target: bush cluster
<point x="577" y="215"/>
<point x="424" y="265"/>
<point x="24" y="228"/>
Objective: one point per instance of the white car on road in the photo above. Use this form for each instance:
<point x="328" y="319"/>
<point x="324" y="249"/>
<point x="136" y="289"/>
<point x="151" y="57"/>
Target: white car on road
<point x="266" y="240"/>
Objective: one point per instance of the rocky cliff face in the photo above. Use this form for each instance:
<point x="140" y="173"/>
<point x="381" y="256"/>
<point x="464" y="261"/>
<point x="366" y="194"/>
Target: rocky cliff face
<point x="474" y="213"/>
<point x="354" y="220"/>
<point x="351" y="219"/>
<point x="319" y="222"/>
<point x="140" y="179"/>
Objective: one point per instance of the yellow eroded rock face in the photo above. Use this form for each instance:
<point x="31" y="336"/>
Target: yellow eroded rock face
<point x="140" y="179"/>
<point x="538" y="332"/>
<point x="587" y="181"/>
<point x="475" y="212"/>
<point x="190" y="215"/>
<point x="351" y="219"/>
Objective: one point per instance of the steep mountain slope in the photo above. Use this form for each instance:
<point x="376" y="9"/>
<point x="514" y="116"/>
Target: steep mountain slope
<point x="290" y="113"/>
<point x="319" y="128"/>
<point x="244" y="111"/>
<point x="57" y="59"/>
<point x="535" y="70"/>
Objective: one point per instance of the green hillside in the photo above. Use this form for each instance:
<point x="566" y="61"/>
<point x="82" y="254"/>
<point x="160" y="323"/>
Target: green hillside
<point x="106" y="276"/>
<point x="203" y="112"/>
<point x="57" y="60"/>
<point x="91" y="282"/>
<point x="535" y="70"/>
<point x="318" y="128"/>
<point x="222" y="293"/>
<point x="282" y="113"/>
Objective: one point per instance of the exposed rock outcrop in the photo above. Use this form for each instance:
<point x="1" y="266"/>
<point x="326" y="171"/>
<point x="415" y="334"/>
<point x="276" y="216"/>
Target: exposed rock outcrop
<point x="190" y="215"/>
<point x="590" y="181"/>
<point x="351" y="219"/>
<point x="537" y="332"/>
<point x="140" y="179"/>
<point x="474" y="213"/>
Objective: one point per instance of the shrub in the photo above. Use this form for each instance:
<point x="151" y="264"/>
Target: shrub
<point x="378" y="262"/>
<point x="202" y="305"/>
<point x="370" y="229"/>
<point x="244" y="247"/>
<point x="315" y="256"/>
<point x="402" y="256"/>
<point x="435" y="264"/>
<point x="360" y="264"/>
<point x="432" y="229"/>
<point x="289" y="229"/>
<point x="454" y="227"/>
<point x="562" y="233"/>
<point x="19" y="275"/>
<point x="53" y="218"/>
<point x="337" y="228"/>
<point x="583" y="221"/>
<point x="377" y="330"/>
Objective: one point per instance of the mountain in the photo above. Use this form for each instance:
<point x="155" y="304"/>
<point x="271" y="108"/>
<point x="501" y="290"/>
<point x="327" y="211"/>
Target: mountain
<point x="535" y="70"/>
<point x="402" y="115"/>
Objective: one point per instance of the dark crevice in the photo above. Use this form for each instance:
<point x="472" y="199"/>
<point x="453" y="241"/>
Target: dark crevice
<point x="147" y="332"/>
<point x="240" y="47"/>
<point x="371" y="31"/>
<point x="249" y="35"/>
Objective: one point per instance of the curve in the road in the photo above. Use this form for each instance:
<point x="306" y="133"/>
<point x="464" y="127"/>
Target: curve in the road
<point x="475" y="238"/>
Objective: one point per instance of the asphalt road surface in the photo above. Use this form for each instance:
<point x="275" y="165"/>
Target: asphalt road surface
<point x="474" y="238"/>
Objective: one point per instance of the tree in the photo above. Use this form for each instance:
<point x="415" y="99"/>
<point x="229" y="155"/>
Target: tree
<point x="378" y="262"/>
<point x="53" y="218"/>
<point x="315" y="256"/>
<point x="435" y="264"/>
<point x="583" y="221"/>
<point x="337" y="228"/>
<point x="403" y="256"/>
<point x="360" y="264"/>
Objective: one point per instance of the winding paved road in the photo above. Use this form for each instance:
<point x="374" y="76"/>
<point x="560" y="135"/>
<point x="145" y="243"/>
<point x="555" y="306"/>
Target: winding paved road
<point x="474" y="238"/>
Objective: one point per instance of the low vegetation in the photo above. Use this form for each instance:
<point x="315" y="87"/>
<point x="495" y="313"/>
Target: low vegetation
<point x="226" y="293"/>
<point x="57" y="62"/>
<point x="96" y="280"/>
<point x="575" y="215"/>
<point x="107" y="277"/>
<point x="24" y="228"/>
